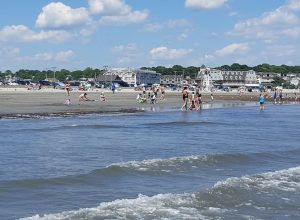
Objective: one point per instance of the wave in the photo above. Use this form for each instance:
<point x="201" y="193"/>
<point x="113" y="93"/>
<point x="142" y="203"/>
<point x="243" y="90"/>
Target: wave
<point x="167" y="166"/>
<point x="181" y="163"/>
<point x="283" y="180"/>
<point x="234" y="198"/>
<point x="78" y="126"/>
<point x="185" y="123"/>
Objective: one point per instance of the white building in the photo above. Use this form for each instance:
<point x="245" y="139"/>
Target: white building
<point x="135" y="77"/>
<point x="295" y="81"/>
<point x="207" y="77"/>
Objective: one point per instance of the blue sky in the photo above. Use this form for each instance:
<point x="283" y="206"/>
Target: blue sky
<point x="75" y="34"/>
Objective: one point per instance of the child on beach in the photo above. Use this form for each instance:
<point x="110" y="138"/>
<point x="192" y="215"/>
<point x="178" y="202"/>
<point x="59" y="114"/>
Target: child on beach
<point x="140" y="98"/>
<point x="192" y="102"/>
<point x="102" y="97"/>
<point x="83" y="97"/>
<point x="67" y="102"/>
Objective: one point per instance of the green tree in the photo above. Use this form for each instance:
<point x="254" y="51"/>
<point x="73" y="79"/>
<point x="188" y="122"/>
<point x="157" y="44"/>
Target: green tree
<point x="278" y="81"/>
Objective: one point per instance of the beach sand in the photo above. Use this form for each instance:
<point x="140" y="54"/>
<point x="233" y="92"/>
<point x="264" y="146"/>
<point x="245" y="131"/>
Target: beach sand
<point x="19" y="102"/>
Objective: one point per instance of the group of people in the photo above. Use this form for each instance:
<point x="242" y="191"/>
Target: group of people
<point x="82" y="97"/>
<point x="142" y="98"/>
<point x="277" y="97"/>
<point x="193" y="101"/>
<point x="152" y="95"/>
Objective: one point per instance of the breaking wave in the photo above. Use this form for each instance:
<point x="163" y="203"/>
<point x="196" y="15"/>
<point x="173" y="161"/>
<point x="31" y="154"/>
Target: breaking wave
<point x="246" y="197"/>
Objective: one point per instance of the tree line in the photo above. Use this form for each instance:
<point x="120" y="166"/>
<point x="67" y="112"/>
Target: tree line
<point x="190" y="71"/>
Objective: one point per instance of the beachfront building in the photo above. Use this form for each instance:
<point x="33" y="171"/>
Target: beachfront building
<point x="171" y="80"/>
<point x="295" y="81"/>
<point x="267" y="78"/>
<point x="207" y="78"/>
<point x="135" y="77"/>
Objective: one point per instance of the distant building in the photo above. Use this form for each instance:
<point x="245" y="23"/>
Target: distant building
<point x="207" y="78"/>
<point x="171" y="79"/>
<point x="268" y="75"/>
<point x="108" y="79"/>
<point x="135" y="77"/>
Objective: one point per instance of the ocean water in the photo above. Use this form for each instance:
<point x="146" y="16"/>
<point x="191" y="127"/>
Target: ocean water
<point x="224" y="162"/>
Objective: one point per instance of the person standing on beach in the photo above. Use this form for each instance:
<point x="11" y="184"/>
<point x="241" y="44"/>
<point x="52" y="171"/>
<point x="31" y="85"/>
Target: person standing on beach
<point x="113" y="88"/>
<point x="198" y="100"/>
<point x="211" y="97"/>
<point x="144" y="92"/>
<point x="162" y="89"/>
<point x="262" y="102"/>
<point x="68" y="88"/>
<point x="275" y="96"/>
<point x="295" y="96"/>
<point x="280" y="96"/>
<point x="185" y="98"/>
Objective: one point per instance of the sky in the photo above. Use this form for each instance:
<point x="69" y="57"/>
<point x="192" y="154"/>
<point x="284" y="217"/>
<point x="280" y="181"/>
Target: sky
<point x="76" y="34"/>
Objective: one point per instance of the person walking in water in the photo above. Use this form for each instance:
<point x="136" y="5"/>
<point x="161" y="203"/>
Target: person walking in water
<point x="262" y="102"/>
<point x="185" y="98"/>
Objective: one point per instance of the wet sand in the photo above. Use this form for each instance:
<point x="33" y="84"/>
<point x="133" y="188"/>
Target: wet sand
<point x="49" y="102"/>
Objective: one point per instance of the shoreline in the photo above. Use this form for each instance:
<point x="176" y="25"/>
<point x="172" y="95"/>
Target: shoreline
<point x="50" y="103"/>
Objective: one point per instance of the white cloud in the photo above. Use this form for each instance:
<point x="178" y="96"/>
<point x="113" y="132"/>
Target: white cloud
<point x="12" y="59"/>
<point x="116" y="12"/>
<point x="61" y="56"/>
<point x="208" y="58"/>
<point x="294" y="5"/>
<point x="183" y="35"/>
<point x="168" y="54"/>
<point x="233" y="49"/>
<point x="276" y="17"/>
<point x="128" y="53"/>
<point x="155" y="27"/>
<point x="204" y="4"/>
<point x="125" y="48"/>
<point x="132" y="17"/>
<point x="109" y="7"/>
<point x="125" y="60"/>
<point x="291" y="32"/>
<point x="272" y="25"/>
<point x="233" y="13"/>
<point x="280" y="50"/>
<point x="21" y="33"/>
<point x="8" y="52"/>
<point x="57" y="15"/>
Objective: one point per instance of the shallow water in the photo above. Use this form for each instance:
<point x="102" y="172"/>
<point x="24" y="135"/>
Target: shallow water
<point x="224" y="162"/>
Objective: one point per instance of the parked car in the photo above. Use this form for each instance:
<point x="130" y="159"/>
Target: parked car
<point x="45" y="82"/>
<point x="75" y="83"/>
<point x="12" y="84"/>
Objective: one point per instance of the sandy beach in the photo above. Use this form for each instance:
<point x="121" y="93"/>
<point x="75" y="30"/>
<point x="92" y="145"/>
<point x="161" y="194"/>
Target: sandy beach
<point x="19" y="102"/>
